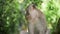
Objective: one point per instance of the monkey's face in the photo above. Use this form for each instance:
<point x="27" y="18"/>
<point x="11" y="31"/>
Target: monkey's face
<point x="30" y="9"/>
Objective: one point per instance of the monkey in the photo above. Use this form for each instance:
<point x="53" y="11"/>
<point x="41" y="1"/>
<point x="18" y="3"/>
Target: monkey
<point x="36" y="20"/>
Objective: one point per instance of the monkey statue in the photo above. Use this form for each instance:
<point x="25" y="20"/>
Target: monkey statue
<point x="36" y="20"/>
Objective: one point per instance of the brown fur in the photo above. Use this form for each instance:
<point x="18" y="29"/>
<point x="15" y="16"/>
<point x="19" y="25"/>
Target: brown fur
<point x="36" y="19"/>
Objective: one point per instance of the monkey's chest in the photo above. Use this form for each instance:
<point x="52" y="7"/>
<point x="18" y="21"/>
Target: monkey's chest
<point x="34" y="20"/>
<point x="34" y="14"/>
<point x="34" y="17"/>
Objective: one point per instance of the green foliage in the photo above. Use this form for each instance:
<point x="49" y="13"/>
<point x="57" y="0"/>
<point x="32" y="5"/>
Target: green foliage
<point x="12" y="14"/>
<point x="10" y="17"/>
<point x="50" y="11"/>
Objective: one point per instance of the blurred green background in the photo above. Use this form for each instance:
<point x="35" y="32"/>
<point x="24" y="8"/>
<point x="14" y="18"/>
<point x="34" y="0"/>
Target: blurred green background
<point x="12" y="15"/>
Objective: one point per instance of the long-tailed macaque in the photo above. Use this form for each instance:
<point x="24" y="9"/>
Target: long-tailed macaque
<point x="36" y="20"/>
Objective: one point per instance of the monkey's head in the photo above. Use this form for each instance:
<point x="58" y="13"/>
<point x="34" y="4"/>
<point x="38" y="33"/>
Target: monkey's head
<point x="30" y="8"/>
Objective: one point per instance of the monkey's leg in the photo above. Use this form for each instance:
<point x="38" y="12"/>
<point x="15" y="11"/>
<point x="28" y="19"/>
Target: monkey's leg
<point x="40" y="28"/>
<point x="42" y="32"/>
<point x="31" y="28"/>
<point x="48" y="31"/>
<point x="36" y="31"/>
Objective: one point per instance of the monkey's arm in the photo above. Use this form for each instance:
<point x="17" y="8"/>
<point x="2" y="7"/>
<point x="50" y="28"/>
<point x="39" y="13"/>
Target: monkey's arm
<point x="43" y="19"/>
